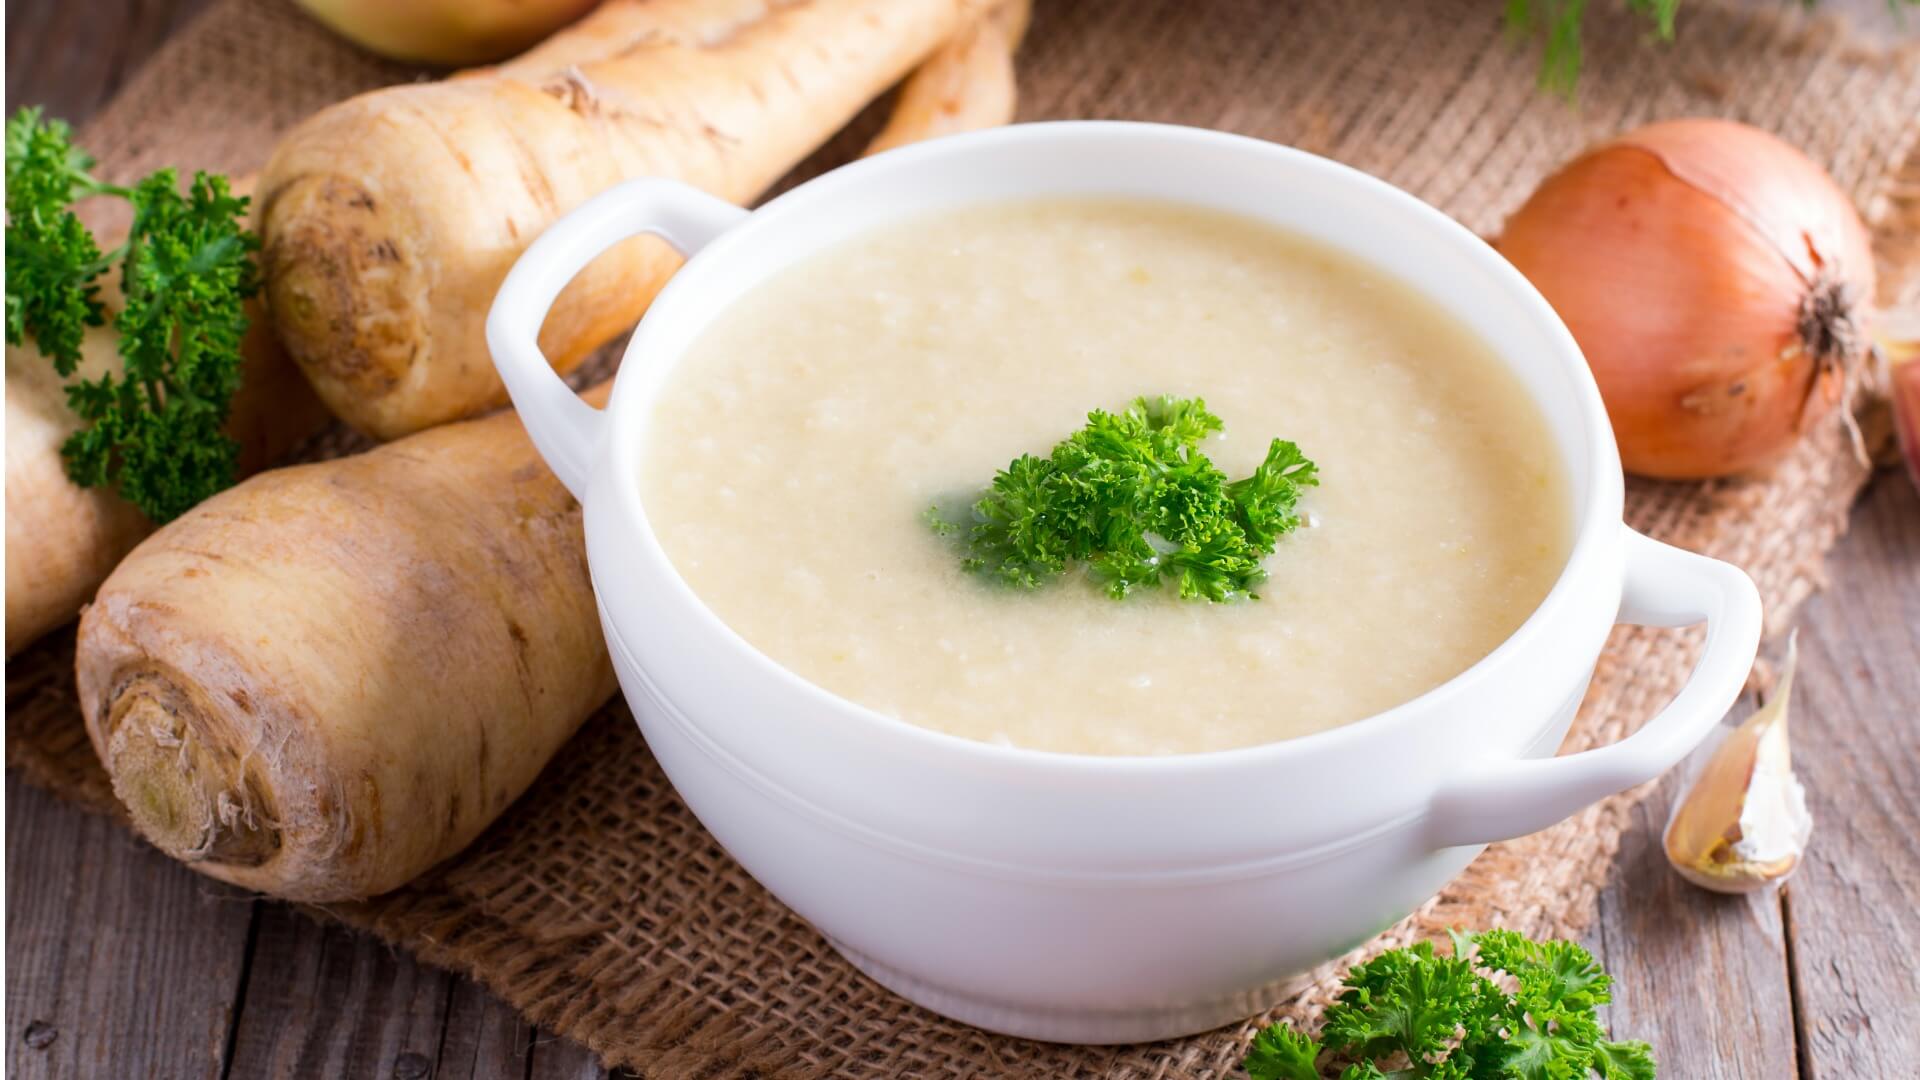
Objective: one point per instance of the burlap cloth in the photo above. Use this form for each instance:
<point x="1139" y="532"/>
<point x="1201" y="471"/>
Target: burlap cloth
<point x="601" y="908"/>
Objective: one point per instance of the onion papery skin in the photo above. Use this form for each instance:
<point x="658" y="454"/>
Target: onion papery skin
<point x="1718" y="282"/>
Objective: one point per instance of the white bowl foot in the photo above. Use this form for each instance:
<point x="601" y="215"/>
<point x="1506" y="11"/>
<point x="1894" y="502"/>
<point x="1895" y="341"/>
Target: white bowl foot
<point x="1093" y="1027"/>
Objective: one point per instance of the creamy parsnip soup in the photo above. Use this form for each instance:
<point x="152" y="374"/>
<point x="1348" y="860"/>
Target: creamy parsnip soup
<point x="797" y="450"/>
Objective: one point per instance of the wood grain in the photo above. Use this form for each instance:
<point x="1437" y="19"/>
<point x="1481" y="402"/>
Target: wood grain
<point x="290" y="1026"/>
<point x="70" y="57"/>
<point x="116" y="956"/>
<point x="1853" y="910"/>
<point x="558" y="1059"/>
<point x="1702" y="977"/>
<point x="122" y="963"/>
<point x="482" y="1037"/>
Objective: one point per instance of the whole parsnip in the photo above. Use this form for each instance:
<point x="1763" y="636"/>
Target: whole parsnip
<point x="324" y="680"/>
<point x="389" y="220"/>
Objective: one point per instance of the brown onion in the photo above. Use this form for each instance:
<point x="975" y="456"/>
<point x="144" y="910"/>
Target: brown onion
<point x="1718" y="282"/>
<point x="1900" y="344"/>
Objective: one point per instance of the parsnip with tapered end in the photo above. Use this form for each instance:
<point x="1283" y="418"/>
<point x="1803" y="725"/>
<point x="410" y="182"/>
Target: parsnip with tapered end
<point x="965" y="86"/>
<point x="390" y="220"/>
<point x="323" y="681"/>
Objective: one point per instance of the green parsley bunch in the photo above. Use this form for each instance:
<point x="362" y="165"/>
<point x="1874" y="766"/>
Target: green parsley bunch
<point x="156" y="429"/>
<point x="1412" y="1014"/>
<point x="1132" y="496"/>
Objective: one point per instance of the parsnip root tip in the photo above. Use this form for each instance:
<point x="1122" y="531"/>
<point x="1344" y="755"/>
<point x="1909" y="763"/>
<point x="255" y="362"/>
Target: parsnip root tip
<point x="183" y="800"/>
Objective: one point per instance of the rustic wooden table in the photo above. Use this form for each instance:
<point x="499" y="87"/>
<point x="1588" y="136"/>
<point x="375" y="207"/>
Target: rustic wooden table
<point x="122" y="963"/>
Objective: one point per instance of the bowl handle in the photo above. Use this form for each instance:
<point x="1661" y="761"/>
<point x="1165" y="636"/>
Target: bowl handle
<point x="1664" y="586"/>
<point x="564" y="428"/>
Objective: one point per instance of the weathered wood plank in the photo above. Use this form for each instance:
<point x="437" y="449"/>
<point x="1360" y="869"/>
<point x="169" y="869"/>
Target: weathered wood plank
<point x="555" y="1058"/>
<point x="323" y="1000"/>
<point x="119" y="961"/>
<point x="1853" y="910"/>
<point x="1702" y="977"/>
<point x="71" y="57"/>
<point x="483" y="1038"/>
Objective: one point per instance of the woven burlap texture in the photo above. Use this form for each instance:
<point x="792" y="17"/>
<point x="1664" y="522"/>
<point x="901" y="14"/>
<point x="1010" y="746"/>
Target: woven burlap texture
<point x="599" y="906"/>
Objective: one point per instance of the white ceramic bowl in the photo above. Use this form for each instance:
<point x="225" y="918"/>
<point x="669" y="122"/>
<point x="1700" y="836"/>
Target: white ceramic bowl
<point x="1081" y="898"/>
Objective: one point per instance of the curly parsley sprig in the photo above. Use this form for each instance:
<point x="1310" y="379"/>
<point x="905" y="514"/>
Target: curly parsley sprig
<point x="1132" y="497"/>
<point x="1433" y="1017"/>
<point x="156" y="428"/>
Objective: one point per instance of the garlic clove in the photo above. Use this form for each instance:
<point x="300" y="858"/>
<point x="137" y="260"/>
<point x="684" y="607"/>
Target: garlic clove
<point x="1743" y="823"/>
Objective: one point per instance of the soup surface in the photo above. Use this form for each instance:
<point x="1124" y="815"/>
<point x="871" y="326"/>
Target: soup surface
<point x="797" y="445"/>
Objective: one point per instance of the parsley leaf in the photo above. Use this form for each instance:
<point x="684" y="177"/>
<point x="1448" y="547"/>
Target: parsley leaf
<point x="1412" y="1014"/>
<point x="52" y="259"/>
<point x="1409" y="1001"/>
<point x="1131" y="496"/>
<point x="156" y="428"/>
<point x="1624" y="1060"/>
<point x="1281" y="1053"/>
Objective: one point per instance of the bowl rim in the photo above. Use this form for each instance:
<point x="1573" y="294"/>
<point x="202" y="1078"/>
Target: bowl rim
<point x="1597" y="518"/>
